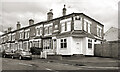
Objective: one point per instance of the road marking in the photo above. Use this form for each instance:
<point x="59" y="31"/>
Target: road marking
<point x="25" y="64"/>
<point x="48" y="69"/>
<point x="100" y="67"/>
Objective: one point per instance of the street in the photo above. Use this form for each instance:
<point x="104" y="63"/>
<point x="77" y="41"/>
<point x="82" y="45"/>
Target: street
<point x="15" y="64"/>
<point x="54" y="65"/>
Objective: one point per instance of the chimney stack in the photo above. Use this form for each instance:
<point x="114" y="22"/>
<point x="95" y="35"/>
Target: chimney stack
<point x="18" y="25"/>
<point x="9" y="29"/>
<point x="5" y="31"/>
<point x="31" y="22"/>
<point x="50" y="15"/>
<point x="64" y="11"/>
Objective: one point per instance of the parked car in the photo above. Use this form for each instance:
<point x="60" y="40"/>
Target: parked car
<point x="21" y="54"/>
<point x="7" y="53"/>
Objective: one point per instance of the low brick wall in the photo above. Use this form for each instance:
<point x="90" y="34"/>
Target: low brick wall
<point x="64" y="57"/>
<point x="72" y="57"/>
<point x="56" y="57"/>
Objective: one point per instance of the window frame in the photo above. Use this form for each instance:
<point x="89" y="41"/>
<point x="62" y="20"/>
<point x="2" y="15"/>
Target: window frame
<point x="63" y="43"/>
<point x="89" y="43"/>
<point x="87" y="25"/>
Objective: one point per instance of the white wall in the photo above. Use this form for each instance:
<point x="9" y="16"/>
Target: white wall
<point x="76" y="46"/>
<point x="64" y="51"/>
<point x="89" y="51"/>
<point x="84" y="45"/>
<point x="97" y="42"/>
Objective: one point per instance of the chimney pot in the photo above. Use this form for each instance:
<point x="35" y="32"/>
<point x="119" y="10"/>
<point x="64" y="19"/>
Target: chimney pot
<point x="18" y="25"/>
<point x="31" y="22"/>
<point x="50" y="15"/>
<point x="64" y="11"/>
<point x="9" y="29"/>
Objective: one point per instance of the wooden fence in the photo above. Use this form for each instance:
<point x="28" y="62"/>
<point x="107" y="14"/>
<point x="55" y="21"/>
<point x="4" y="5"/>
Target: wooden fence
<point x="108" y="49"/>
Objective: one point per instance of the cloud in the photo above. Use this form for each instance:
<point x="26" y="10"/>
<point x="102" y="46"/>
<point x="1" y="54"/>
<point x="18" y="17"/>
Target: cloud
<point x="104" y="11"/>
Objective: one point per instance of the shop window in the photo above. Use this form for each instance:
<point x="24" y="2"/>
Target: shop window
<point x="47" y="44"/>
<point x="63" y="43"/>
<point x="89" y="43"/>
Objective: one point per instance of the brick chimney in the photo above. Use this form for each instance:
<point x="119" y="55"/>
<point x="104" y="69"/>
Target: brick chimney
<point x="31" y="22"/>
<point x="5" y="31"/>
<point x="64" y="11"/>
<point x="18" y="25"/>
<point x="50" y="15"/>
<point x="9" y="29"/>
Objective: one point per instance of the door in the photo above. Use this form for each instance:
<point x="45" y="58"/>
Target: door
<point x="54" y="45"/>
<point x="77" y="42"/>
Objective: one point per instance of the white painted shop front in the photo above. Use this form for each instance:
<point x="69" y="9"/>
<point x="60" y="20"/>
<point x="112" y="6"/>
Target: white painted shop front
<point x="74" y="45"/>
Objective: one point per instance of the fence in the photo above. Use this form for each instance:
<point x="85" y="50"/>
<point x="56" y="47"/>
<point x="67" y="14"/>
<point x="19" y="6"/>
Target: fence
<point x="108" y="49"/>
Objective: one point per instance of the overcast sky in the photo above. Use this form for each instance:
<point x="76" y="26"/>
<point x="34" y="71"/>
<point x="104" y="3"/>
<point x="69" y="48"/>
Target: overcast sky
<point x="104" y="11"/>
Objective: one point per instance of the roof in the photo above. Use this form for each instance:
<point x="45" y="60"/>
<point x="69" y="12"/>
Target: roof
<point x="62" y="17"/>
<point x="111" y="29"/>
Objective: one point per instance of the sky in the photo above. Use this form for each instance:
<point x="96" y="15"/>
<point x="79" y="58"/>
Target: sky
<point x="11" y="11"/>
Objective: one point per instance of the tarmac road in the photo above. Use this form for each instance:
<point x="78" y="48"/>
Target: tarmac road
<point x="42" y="64"/>
<point x="15" y="64"/>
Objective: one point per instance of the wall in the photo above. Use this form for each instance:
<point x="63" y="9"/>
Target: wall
<point x="89" y="51"/>
<point x="93" y="28"/>
<point x="65" y="51"/>
<point x="32" y="32"/>
<point x="107" y="49"/>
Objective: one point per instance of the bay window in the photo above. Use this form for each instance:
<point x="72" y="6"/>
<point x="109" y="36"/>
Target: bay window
<point x="47" y="44"/>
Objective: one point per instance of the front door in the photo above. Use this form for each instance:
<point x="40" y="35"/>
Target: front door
<point x="77" y="45"/>
<point x="54" y="45"/>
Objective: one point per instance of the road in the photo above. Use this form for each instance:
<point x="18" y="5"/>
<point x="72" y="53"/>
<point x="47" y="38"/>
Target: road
<point x="15" y="64"/>
<point x="41" y="64"/>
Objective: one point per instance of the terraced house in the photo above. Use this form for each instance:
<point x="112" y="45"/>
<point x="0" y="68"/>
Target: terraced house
<point x="75" y="33"/>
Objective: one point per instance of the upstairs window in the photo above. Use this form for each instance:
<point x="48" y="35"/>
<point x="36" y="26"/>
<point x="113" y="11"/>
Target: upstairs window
<point x="41" y="30"/>
<point x="13" y="37"/>
<point x="38" y="31"/>
<point x="87" y="25"/>
<point x="46" y="30"/>
<point x="50" y="29"/>
<point x="27" y="34"/>
<point x="21" y="35"/>
<point x="66" y="26"/>
<point x="99" y="31"/>
<point x="9" y="38"/>
<point x="63" y="27"/>
<point x="63" y="43"/>
<point x="77" y="18"/>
